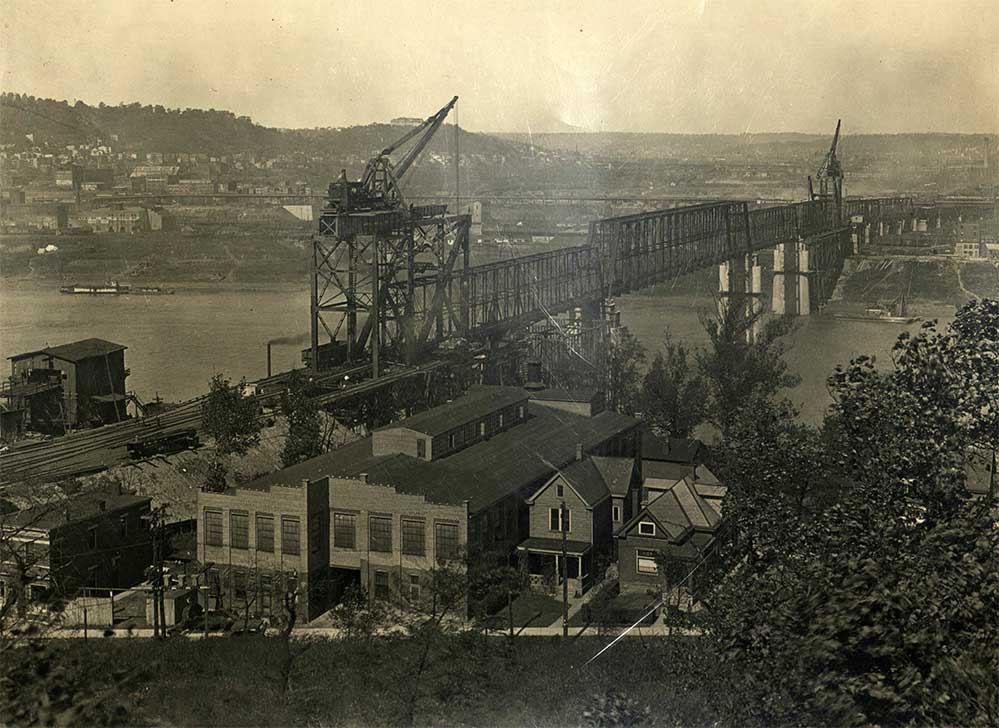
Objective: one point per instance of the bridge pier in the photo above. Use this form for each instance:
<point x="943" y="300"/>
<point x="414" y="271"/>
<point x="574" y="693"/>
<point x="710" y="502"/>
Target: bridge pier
<point x="741" y="278"/>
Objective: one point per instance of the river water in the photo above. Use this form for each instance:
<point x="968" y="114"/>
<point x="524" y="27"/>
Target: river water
<point x="175" y="343"/>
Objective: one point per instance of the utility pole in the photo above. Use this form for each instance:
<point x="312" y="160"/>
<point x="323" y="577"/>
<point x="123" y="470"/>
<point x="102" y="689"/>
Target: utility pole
<point x="563" y="523"/>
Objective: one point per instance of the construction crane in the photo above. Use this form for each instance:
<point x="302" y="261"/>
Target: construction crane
<point x="378" y="188"/>
<point x="386" y="276"/>
<point x="829" y="176"/>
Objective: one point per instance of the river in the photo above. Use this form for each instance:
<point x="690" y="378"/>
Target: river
<point x="175" y="343"/>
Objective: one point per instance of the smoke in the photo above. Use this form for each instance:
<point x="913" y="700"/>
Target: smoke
<point x="296" y="339"/>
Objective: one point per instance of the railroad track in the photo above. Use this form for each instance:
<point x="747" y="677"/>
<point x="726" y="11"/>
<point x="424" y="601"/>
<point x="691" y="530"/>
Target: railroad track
<point x="94" y="450"/>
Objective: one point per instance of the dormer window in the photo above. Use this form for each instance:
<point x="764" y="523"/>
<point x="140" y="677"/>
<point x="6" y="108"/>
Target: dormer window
<point x="646" y="528"/>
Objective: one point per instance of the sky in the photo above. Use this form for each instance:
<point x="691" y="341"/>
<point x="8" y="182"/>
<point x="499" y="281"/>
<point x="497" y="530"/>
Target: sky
<point x="690" y="66"/>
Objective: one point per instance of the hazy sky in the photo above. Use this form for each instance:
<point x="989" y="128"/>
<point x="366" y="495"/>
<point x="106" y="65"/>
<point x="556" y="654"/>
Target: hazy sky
<point x="673" y="66"/>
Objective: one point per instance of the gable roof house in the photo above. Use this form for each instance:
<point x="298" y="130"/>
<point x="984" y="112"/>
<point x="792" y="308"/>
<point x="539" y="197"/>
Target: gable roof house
<point x="581" y="499"/>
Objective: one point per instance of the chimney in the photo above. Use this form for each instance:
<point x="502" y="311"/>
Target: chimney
<point x="579" y="451"/>
<point x="534" y="375"/>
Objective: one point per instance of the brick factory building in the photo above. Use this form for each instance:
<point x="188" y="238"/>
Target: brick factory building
<point x="380" y="512"/>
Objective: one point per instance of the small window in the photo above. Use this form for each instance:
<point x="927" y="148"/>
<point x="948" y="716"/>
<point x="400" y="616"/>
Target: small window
<point x="560" y="491"/>
<point x="617" y="514"/>
<point x="413" y="538"/>
<point x="381" y="585"/>
<point x="265" y="532"/>
<point x="344" y="531"/>
<point x="414" y="588"/>
<point x="646" y="562"/>
<point x="520" y="412"/>
<point x="501" y="419"/>
<point x="291" y="535"/>
<point x="92" y="537"/>
<point x="482" y="429"/>
<point x="451" y="439"/>
<point x="421" y="449"/>
<point x="647" y="528"/>
<point x="239" y="530"/>
<point x="380" y="533"/>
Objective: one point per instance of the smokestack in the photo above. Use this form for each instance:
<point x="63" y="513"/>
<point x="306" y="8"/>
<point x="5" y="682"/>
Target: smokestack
<point x="579" y="451"/>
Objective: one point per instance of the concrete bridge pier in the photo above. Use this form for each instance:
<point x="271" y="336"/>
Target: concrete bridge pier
<point x="741" y="280"/>
<point x="790" y="286"/>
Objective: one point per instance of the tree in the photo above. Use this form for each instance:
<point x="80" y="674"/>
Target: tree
<point x="230" y="417"/>
<point x="834" y="611"/>
<point x="674" y="395"/>
<point x="305" y="436"/>
<point x="624" y="362"/>
<point x="735" y="368"/>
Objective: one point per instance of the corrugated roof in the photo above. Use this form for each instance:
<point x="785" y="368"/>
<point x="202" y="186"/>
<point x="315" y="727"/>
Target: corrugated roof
<point x="482" y="474"/>
<point x="473" y="405"/>
<point x="616" y="473"/>
<point x="77" y="350"/>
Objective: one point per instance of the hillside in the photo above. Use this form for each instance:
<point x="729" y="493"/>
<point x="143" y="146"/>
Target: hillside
<point x="26" y="121"/>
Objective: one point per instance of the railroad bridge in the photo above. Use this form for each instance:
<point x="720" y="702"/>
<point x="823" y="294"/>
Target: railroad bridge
<point x="418" y="286"/>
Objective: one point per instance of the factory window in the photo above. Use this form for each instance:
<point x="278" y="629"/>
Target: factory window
<point x="414" y="588"/>
<point x="646" y="562"/>
<point x="501" y="419"/>
<point x="413" y="538"/>
<point x="446" y="539"/>
<point x="213" y="528"/>
<point x="266" y="587"/>
<point x="646" y="528"/>
<point x="265" y="532"/>
<point x="344" y="531"/>
<point x="421" y="449"/>
<point x="239" y="584"/>
<point x="239" y="530"/>
<point x="290" y="539"/>
<point x="380" y="533"/>
<point x="381" y="585"/>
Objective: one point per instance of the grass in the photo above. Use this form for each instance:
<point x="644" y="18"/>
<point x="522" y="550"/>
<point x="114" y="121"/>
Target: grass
<point x="529" y="610"/>
<point x="471" y="680"/>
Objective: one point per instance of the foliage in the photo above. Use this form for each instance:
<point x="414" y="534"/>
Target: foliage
<point x="42" y="684"/>
<point x="614" y="709"/>
<point x="215" y="476"/>
<point x="230" y="417"/>
<point x="357" y="615"/>
<point x="624" y="381"/>
<point x="674" y="396"/>
<point x="869" y="594"/>
<point x="736" y="370"/>
<point x="305" y="436"/>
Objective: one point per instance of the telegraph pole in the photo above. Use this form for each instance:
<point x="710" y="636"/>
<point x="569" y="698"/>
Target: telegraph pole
<point x="563" y="519"/>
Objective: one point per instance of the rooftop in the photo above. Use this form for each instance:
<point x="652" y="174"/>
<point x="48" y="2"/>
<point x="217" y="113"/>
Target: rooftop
<point x="687" y="450"/>
<point x="474" y="404"/>
<point x="76" y="351"/>
<point x="48" y="516"/>
<point x="482" y="473"/>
